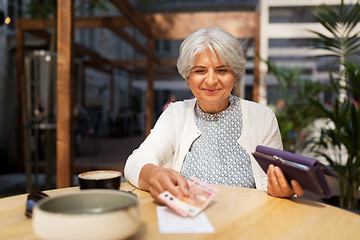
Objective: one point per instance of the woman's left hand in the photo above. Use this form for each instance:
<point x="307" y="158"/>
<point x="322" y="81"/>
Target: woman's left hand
<point x="278" y="186"/>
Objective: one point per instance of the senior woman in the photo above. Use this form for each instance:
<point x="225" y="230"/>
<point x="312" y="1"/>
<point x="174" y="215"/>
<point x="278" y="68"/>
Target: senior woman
<point x="213" y="135"/>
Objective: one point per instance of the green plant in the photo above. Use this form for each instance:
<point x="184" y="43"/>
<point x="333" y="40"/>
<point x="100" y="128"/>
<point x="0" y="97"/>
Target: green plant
<point x="343" y="42"/>
<point x="344" y="135"/>
<point x="295" y="115"/>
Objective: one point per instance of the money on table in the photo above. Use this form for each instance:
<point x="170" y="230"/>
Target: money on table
<point x="200" y="195"/>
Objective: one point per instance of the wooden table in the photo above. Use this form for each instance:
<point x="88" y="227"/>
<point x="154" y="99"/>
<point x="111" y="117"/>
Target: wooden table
<point x="235" y="213"/>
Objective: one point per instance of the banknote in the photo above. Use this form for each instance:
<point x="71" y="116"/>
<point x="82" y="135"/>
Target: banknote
<point x="182" y="208"/>
<point x="200" y="195"/>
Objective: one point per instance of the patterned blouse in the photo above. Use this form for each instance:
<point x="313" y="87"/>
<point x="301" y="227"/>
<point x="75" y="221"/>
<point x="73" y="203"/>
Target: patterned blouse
<point x="216" y="157"/>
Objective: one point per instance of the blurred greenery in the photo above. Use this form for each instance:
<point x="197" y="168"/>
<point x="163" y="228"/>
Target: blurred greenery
<point x="343" y="136"/>
<point x="343" y="42"/>
<point x="341" y="131"/>
<point x="293" y="110"/>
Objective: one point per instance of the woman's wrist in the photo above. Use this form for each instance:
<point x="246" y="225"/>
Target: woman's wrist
<point x="146" y="173"/>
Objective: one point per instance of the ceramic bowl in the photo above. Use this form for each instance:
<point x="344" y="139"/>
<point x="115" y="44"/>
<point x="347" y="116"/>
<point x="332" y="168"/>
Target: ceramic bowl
<point x="88" y="214"/>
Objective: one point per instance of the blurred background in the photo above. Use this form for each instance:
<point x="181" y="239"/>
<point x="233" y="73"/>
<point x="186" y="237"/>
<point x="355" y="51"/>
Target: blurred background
<point x="110" y="79"/>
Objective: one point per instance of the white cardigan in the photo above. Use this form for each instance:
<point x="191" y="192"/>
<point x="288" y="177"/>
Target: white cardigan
<point x="175" y="131"/>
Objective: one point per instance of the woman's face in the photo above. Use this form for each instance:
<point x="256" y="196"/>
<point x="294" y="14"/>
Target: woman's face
<point x="211" y="82"/>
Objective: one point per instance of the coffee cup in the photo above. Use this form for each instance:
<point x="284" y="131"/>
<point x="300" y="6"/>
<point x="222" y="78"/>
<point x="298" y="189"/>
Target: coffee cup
<point x="101" y="179"/>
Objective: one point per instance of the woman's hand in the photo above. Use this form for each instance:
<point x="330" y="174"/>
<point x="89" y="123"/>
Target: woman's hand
<point x="157" y="179"/>
<point x="278" y="186"/>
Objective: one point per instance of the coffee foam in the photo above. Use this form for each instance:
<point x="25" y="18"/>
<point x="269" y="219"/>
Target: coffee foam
<point x="98" y="175"/>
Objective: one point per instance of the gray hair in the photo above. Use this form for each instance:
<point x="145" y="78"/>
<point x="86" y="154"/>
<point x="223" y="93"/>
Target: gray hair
<point x="220" y="42"/>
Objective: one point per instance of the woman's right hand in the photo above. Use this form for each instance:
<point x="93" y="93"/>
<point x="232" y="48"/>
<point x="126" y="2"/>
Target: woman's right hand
<point x="157" y="180"/>
<point x="278" y="186"/>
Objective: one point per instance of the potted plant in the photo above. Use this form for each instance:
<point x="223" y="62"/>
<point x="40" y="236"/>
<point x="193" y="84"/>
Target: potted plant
<point x="343" y="43"/>
<point x="342" y="137"/>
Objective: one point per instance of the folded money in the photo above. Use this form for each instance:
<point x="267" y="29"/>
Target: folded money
<point x="182" y="208"/>
<point x="200" y="195"/>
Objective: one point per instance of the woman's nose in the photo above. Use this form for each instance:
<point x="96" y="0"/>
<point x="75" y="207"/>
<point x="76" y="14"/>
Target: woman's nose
<point x="211" y="78"/>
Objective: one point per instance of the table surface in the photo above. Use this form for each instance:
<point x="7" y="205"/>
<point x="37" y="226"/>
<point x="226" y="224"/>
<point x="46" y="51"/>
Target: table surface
<point x="235" y="213"/>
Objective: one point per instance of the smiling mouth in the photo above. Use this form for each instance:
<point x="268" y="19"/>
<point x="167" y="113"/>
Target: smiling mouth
<point x="210" y="90"/>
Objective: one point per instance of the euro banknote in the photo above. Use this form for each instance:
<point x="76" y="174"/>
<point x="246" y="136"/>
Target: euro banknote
<point x="200" y="195"/>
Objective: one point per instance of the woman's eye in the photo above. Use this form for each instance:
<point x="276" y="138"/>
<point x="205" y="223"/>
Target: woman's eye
<point x="199" y="71"/>
<point x="223" y="70"/>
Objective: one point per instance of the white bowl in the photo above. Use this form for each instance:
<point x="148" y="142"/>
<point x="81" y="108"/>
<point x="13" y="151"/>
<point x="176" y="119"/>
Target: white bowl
<point x="88" y="214"/>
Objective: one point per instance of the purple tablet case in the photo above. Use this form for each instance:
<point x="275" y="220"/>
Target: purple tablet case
<point x="307" y="171"/>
